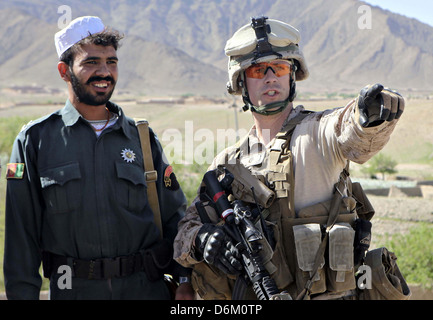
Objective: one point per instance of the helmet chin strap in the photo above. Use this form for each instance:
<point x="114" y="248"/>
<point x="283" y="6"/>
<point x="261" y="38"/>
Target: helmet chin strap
<point x="267" y="109"/>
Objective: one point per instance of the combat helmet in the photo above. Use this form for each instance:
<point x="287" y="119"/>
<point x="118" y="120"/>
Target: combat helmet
<point x="263" y="40"/>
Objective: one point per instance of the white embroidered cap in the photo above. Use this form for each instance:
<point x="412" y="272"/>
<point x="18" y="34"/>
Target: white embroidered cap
<point x="77" y="30"/>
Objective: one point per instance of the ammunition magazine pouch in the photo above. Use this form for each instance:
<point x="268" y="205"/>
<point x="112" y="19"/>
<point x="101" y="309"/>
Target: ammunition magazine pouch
<point x="337" y="274"/>
<point x="152" y="261"/>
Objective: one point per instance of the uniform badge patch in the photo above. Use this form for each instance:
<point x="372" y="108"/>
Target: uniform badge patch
<point x="170" y="180"/>
<point x="15" y="171"/>
<point x="128" y="155"/>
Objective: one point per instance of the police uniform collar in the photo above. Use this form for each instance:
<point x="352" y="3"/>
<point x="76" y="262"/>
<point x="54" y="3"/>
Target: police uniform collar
<point x="122" y="121"/>
<point x="70" y="116"/>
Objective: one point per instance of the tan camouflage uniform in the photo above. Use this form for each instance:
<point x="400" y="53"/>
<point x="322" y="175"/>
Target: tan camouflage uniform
<point x="303" y="174"/>
<point x="321" y="144"/>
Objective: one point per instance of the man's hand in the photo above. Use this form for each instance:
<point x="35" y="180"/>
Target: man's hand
<point x="378" y="104"/>
<point x="217" y="249"/>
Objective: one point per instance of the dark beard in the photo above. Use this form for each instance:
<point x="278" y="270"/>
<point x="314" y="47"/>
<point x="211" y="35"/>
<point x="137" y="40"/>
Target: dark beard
<point x="86" y="97"/>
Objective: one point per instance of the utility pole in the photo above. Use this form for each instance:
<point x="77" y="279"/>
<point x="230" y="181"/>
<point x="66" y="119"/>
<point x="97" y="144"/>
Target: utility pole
<point x="235" y="109"/>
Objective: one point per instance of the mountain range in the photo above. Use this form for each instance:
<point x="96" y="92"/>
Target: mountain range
<point x="177" y="46"/>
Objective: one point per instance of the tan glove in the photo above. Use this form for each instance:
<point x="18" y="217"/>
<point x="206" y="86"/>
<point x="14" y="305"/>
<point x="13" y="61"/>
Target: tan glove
<point x="378" y="104"/>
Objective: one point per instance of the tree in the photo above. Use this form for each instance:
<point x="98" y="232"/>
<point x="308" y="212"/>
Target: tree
<point x="380" y="163"/>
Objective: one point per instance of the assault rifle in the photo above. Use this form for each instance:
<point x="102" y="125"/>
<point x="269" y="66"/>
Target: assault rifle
<point x="240" y="227"/>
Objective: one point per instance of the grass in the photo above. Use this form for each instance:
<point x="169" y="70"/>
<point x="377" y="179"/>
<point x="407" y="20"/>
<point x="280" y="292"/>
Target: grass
<point x="417" y="250"/>
<point x="189" y="177"/>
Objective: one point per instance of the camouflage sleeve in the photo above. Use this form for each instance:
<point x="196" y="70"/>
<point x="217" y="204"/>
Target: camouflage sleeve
<point x="356" y="143"/>
<point x="189" y="225"/>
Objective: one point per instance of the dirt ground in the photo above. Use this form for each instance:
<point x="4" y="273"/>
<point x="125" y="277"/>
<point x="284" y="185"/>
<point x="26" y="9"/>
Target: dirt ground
<point x="396" y="215"/>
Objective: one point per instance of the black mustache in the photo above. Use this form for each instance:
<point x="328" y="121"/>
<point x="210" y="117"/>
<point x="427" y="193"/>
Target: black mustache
<point x="108" y="79"/>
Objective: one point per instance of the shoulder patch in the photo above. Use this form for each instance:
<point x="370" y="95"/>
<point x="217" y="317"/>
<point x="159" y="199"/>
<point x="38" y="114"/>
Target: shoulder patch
<point x="15" y="171"/>
<point x="170" y="181"/>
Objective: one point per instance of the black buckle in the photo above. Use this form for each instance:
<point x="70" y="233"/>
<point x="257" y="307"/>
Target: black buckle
<point x="261" y="29"/>
<point x="111" y="268"/>
<point x="130" y="264"/>
<point x="91" y="269"/>
<point x="264" y="48"/>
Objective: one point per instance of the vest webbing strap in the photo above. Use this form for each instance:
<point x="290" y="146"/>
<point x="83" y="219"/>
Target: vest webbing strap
<point x="284" y="133"/>
<point x="339" y="187"/>
<point x="281" y="162"/>
<point x="280" y="147"/>
<point x="150" y="174"/>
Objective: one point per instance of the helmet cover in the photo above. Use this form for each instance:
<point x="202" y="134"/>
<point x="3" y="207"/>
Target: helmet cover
<point x="242" y="51"/>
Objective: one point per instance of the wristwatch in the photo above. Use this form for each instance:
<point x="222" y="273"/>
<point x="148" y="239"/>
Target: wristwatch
<point x="184" y="280"/>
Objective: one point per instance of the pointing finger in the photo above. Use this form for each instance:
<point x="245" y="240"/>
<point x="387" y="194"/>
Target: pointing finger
<point x="374" y="90"/>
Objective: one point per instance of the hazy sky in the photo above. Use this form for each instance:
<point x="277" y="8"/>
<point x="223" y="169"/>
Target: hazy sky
<point x="422" y="10"/>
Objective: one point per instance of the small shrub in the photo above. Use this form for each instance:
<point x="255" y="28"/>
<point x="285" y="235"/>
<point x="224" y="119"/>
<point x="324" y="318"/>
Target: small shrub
<point x="414" y="253"/>
<point x="380" y="163"/>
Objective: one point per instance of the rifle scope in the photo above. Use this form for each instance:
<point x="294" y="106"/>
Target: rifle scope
<point x="218" y="196"/>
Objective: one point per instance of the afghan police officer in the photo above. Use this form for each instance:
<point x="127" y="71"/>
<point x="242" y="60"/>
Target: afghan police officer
<point x="302" y="158"/>
<point x="76" y="189"/>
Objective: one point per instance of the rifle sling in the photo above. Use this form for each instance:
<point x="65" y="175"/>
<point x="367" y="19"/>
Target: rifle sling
<point x="150" y="174"/>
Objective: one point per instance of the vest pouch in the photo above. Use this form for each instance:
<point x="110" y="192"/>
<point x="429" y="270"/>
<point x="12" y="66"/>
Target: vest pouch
<point x="280" y="272"/>
<point x="322" y="209"/>
<point x="340" y="272"/>
<point x="387" y="282"/>
<point x="210" y="283"/>
<point x="307" y="241"/>
<point x="364" y="208"/>
<point x="266" y="251"/>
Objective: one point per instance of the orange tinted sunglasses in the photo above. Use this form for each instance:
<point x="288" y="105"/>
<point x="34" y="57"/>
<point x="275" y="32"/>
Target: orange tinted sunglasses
<point x="258" y="71"/>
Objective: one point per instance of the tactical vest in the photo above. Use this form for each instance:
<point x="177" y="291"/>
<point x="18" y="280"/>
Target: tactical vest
<point x="313" y="250"/>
